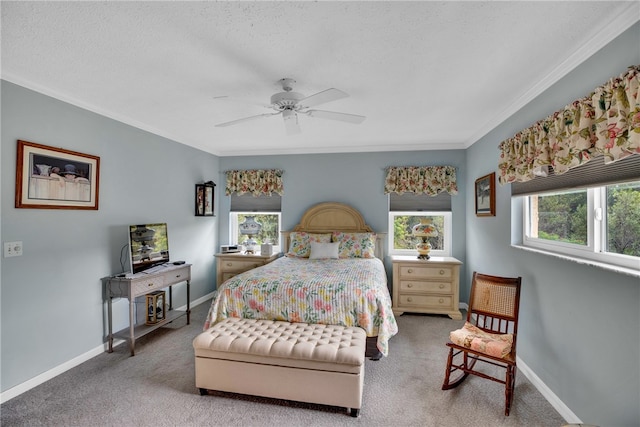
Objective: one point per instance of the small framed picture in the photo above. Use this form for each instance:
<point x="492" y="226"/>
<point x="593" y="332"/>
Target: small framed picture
<point x="486" y="195"/>
<point x="204" y="198"/>
<point x="55" y="178"/>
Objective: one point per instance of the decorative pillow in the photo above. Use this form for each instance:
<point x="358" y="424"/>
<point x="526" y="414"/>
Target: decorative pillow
<point x="299" y="243"/>
<point x="356" y="245"/>
<point x="324" y="250"/>
<point x="474" y="338"/>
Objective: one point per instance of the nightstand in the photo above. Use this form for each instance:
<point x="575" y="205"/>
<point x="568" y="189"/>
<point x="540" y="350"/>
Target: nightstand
<point x="229" y="265"/>
<point x="426" y="286"/>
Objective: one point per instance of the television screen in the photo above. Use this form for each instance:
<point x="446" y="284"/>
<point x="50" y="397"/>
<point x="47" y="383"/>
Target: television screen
<point x="148" y="246"/>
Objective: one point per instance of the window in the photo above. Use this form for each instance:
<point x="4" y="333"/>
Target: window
<point x="599" y="223"/>
<point x="265" y="209"/>
<point x="402" y="242"/>
<point x="270" y="232"/>
<point x="406" y="210"/>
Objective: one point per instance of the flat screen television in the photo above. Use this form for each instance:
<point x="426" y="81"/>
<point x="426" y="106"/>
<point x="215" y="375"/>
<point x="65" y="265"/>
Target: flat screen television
<point x="148" y="246"/>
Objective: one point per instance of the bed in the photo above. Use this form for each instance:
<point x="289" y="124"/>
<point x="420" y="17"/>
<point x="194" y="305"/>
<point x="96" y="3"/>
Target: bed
<point x="332" y="273"/>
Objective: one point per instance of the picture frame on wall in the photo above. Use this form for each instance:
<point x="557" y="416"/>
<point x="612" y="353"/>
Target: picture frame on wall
<point x="486" y="195"/>
<point x="205" y="198"/>
<point x="55" y="178"/>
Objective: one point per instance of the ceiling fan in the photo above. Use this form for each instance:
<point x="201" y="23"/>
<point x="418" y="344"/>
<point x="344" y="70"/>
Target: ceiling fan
<point x="290" y="104"/>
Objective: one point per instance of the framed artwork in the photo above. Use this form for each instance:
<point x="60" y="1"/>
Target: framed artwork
<point x="204" y="198"/>
<point x="486" y="195"/>
<point x="55" y="178"/>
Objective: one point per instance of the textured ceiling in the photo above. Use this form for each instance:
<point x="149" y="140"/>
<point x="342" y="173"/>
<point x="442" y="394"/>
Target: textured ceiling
<point x="428" y="75"/>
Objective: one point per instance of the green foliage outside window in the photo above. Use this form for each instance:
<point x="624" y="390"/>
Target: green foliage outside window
<point x="402" y="233"/>
<point x="563" y="218"/>
<point x="269" y="232"/>
<point x="623" y="219"/>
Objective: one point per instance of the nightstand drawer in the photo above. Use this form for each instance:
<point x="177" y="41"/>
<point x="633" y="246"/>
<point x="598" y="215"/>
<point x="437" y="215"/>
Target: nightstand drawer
<point x="431" y="287"/>
<point x="423" y="272"/>
<point x="238" y="266"/>
<point x="426" y="301"/>
<point x="145" y="286"/>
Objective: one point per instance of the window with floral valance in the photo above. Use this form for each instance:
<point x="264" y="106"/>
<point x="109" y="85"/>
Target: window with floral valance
<point x="605" y="123"/>
<point x="430" y="180"/>
<point x="255" y="181"/>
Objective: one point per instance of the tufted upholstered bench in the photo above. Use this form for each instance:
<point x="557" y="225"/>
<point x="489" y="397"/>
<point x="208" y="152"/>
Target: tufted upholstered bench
<point x="294" y="361"/>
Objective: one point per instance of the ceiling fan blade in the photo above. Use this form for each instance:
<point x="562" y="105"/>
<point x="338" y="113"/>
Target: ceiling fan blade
<point x="246" y="119"/>
<point x="291" y="122"/>
<point x="322" y="97"/>
<point x="332" y="115"/>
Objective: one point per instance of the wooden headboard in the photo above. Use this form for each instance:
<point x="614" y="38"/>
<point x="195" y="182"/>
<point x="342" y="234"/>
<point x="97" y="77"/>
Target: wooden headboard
<point x="332" y="216"/>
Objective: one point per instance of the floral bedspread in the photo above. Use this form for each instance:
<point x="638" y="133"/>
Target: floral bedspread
<point x="347" y="292"/>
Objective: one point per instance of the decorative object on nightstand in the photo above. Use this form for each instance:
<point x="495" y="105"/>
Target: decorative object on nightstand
<point x="204" y="198"/>
<point x="266" y="249"/>
<point x="250" y="227"/>
<point x="424" y="230"/>
<point x="156" y="307"/>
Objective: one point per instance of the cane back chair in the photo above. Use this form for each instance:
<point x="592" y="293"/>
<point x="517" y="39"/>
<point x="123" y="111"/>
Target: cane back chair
<point x="489" y="334"/>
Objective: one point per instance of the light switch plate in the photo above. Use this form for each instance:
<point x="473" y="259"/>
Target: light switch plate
<point x="12" y="249"/>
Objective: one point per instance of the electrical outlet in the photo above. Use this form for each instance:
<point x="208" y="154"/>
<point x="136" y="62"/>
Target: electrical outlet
<point x="12" y="249"/>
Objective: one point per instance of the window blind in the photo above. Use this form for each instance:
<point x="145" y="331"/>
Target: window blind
<point x="594" y="173"/>
<point x="419" y="202"/>
<point x="249" y="203"/>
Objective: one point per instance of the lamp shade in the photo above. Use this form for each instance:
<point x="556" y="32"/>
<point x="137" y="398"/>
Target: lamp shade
<point x="250" y="227"/>
<point x="425" y="229"/>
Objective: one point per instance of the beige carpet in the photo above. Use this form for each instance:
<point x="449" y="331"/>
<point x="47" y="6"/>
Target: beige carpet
<point x="156" y="388"/>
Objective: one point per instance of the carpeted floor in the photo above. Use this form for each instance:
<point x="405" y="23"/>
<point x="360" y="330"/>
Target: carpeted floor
<point x="156" y="388"/>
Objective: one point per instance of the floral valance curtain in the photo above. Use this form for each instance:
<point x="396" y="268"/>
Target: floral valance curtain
<point x="429" y="180"/>
<point x="606" y="123"/>
<point x="256" y="181"/>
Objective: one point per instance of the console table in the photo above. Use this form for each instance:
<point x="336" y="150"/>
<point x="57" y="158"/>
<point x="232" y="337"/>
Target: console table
<point x="131" y="286"/>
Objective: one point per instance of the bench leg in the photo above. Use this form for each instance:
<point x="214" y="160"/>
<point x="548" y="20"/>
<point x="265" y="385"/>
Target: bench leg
<point x="354" y="412"/>
<point x="204" y="392"/>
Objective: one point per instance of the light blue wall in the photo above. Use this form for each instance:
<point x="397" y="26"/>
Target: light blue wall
<point x="578" y="324"/>
<point x="52" y="296"/>
<point x="356" y="179"/>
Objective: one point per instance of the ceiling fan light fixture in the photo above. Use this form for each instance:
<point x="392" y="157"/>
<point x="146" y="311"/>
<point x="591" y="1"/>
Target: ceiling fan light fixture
<point x="291" y="122"/>
<point x="289" y="115"/>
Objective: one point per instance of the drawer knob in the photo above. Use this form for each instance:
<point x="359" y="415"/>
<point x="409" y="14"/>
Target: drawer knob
<point x="441" y="272"/>
<point x="409" y="299"/>
<point x="178" y="276"/>
<point x="150" y="284"/>
<point x="410" y="285"/>
<point x="441" y="300"/>
<point x="441" y="286"/>
<point x="410" y="270"/>
<point x="229" y="264"/>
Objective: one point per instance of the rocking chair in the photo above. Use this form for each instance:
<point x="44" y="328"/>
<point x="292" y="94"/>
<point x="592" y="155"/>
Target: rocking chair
<point x="488" y="335"/>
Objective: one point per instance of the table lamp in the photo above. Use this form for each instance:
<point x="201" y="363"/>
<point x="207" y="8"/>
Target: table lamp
<point x="250" y="227"/>
<point x="424" y="230"/>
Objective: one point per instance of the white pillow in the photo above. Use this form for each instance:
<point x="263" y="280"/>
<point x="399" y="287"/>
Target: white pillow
<point x="324" y="250"/>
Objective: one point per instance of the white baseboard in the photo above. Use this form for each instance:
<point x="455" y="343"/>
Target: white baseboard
<point x="546" y="392"/>
<point x="562" y="409"/>
<point x="52" y="373"/>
